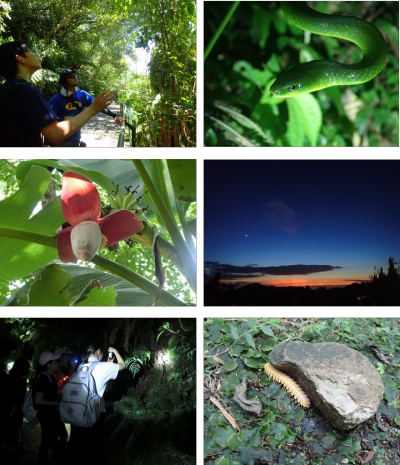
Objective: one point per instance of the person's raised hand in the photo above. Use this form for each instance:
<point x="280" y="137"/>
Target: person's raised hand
<point x="103" y="100"/>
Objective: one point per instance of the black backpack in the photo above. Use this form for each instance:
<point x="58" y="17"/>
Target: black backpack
<point x="4" y="96"/>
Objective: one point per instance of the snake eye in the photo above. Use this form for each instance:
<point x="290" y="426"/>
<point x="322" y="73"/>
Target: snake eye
<point x="292" y="88"/>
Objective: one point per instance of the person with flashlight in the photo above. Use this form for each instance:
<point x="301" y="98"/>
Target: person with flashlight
<point x="67" y="367"/>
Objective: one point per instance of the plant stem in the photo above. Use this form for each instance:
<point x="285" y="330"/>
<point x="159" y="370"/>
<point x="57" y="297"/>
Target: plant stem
<point x="185" y="255"/>
<point x="220" y="29"/>
<point x="105" y="263"/>
<point x="29" y="237"/>
<point x="135" y="279"/>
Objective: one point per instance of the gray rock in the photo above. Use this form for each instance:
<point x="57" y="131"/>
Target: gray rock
<point x="340" y="381"/>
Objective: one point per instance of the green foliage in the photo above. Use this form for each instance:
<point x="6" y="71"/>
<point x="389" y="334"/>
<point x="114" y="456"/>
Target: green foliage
<point x="24" y="329"/>
<point x="168" y="100"/>
<point x="170" y="386"/>
<point x="130" y="403"/>
<point x="160" y="78"/>
<point x="137" y="258"/>
<point x="92" y="38"/>
<point x="182" y="352"/>
<point x="98" y="39"/>
<point x="137" y="359"/>
<point x="257" y="44"/>
<point x="8" y="186"/>
<point x="243" y="346"/>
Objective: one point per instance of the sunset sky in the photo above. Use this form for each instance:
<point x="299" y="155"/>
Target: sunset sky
<point x="298" y="223"/>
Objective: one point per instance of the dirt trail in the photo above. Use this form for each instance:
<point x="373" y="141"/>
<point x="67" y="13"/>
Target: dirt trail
<point x="102" y="130"/>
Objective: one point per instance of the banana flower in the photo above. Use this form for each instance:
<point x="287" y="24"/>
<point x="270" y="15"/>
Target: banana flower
<point x="81" y="207"/>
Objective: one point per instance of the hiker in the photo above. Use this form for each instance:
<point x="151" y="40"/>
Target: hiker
<point x="81" y="438"/>
<point x="70" y="101"/>
<point x="24" y="112"/>
<point x="46" y="402"/>
<point x="14" y="392"/>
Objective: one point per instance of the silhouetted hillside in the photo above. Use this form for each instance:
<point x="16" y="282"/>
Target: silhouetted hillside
<point x="257" y="294"/>
<point x="382" y="290"/>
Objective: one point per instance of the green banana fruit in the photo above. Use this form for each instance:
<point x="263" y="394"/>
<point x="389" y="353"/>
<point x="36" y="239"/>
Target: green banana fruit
<point x="132" y="204"/>
<point x="127" y="202"/>
<point x="118" y="198"/>
<point x="127" y="199"/>
<point x="113" y="202"/>
<point x="139" y="211"/>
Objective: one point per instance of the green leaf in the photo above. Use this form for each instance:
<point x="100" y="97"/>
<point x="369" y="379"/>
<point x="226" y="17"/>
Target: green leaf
<point x="230" y="365"/>
<point x="98" y="297"/>
<point x="50" y="289"/>
<point x="183" y="177"/>
<point x="250" y="340"/>
<point x="396" y="419"/>
<point x="267" y="330"/>
<point x="234" y="332"/>
<point x="29" y="243"/>
<point x="221" y="435"/>
<point x="21" y="257"/>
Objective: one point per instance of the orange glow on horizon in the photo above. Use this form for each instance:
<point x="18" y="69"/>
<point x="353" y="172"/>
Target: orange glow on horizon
<point x="297" y="282"/>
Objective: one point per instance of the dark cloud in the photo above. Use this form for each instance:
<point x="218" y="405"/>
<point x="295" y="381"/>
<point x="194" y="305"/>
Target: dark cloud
<point x="254" y="271"/>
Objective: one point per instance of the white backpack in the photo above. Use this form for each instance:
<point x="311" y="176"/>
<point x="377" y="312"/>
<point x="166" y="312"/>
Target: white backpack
<point x="80" y="403"/>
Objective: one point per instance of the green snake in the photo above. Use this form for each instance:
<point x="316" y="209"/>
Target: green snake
<point x="319" y="74"/>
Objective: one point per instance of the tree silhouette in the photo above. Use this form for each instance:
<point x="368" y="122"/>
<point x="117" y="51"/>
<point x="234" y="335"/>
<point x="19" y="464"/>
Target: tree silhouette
<point x="217" y="293"/>
<point x="386" y="287"/>
<point x="211" y="290"/>
<point x="393" y="273"/>
<point x="229" y="286"/>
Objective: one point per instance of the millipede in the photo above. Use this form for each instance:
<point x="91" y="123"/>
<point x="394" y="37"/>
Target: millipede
<point x="288" y="384"/>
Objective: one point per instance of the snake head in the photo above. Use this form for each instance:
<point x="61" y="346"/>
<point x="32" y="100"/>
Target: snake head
<point x="301" y="79"/>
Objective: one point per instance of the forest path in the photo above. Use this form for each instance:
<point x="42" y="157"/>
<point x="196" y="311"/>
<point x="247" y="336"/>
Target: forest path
<point x="102" y="130"/>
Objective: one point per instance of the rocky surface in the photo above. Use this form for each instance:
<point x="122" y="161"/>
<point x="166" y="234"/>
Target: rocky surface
<point x="340" y="381"/>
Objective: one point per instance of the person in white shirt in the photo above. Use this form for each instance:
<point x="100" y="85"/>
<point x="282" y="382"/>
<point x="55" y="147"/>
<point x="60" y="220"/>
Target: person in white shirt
<point x="82" y="439"/>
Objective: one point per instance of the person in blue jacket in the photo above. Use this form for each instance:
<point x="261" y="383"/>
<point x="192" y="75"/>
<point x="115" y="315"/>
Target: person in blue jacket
<point x="70" y="101"/>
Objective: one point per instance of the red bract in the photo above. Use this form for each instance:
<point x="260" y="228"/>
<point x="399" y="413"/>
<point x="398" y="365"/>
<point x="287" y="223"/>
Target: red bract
<point x="81" y="207"/>
<point x="80" y="200"/>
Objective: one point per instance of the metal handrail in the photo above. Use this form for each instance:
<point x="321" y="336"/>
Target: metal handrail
<point x="132" y="132"/>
